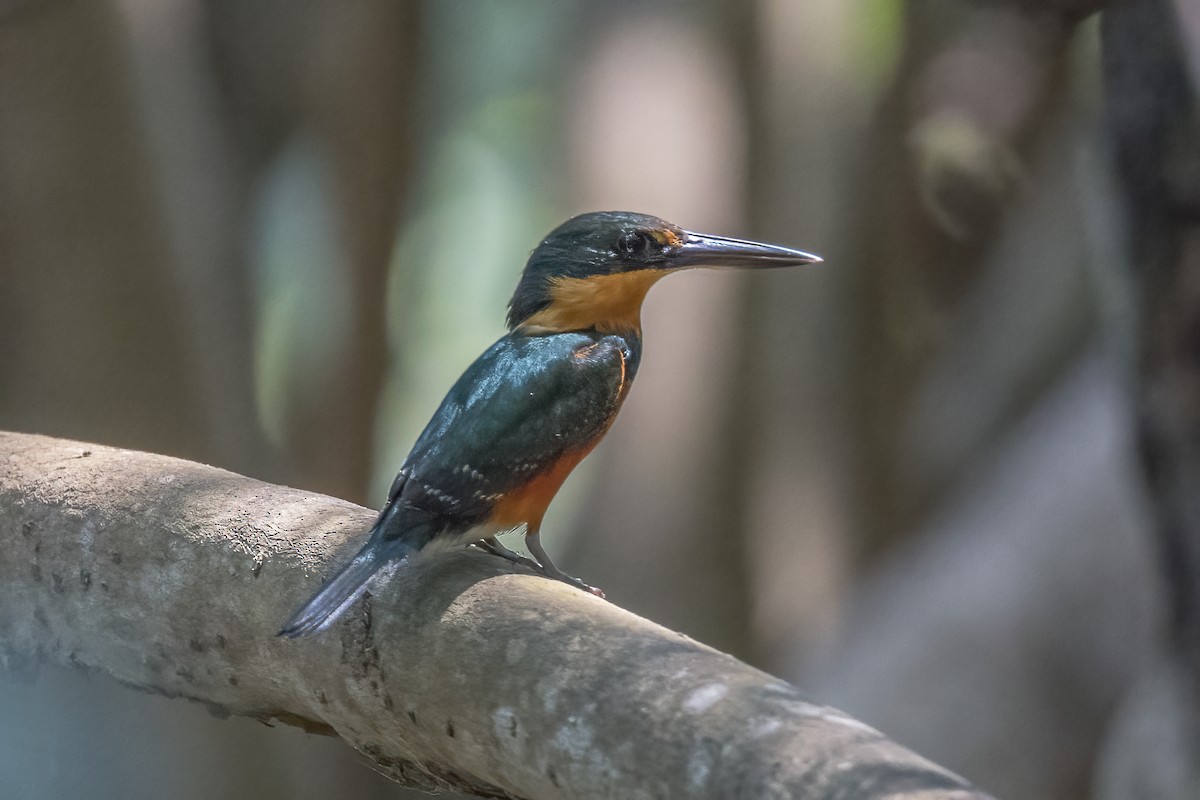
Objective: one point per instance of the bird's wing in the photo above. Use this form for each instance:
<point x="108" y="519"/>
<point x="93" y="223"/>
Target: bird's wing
<point x="520" y="408"/>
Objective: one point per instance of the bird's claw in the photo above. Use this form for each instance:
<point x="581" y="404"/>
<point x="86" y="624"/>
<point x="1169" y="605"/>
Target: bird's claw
<point x="497" y="549"/>
<point x="594" y="590"/>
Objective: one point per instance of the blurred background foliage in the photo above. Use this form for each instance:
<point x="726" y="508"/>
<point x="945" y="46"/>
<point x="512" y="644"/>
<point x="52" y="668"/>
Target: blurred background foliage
<point x="268" y="235"/>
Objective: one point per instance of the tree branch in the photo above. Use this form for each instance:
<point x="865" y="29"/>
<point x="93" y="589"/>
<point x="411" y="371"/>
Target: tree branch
<point x="173" y="577"/>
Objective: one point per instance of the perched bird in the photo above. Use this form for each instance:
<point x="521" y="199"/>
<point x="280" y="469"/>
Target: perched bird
<point x="537" y="401"/>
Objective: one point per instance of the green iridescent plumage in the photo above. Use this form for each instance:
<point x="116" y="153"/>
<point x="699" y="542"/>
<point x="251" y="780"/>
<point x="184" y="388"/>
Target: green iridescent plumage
<point x="533" y="404"/>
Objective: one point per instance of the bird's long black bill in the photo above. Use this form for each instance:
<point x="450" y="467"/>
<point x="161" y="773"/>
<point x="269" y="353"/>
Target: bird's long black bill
<point x="703" y="250"/>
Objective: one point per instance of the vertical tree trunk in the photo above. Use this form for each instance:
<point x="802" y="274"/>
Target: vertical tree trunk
<point x="976" y="89"/>
<point x="1154" y="121"/>
<point x="91" y="341"/>
<point x="664" y="514"/>
<point x="345" y="76"/>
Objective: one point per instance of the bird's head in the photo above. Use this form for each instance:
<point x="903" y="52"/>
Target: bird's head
<point x="593" y="271"/>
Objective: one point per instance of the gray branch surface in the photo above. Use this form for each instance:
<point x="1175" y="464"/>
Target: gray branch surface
<point x="459" y="673"/>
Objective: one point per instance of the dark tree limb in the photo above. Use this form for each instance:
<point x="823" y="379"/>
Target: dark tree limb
<point x="1152" y="118"/>
<point x="1151" y="53"/>
<point x="173" y="578"/>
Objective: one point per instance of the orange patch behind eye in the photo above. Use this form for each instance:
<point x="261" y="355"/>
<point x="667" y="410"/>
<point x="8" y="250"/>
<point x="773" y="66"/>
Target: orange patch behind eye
<point x="667" y="237"/>
<point x="607" y="303"/>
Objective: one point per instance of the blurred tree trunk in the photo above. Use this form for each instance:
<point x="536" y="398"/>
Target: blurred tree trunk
<point x="1151" y="52"/>
<point x="662" y="528"/>
<point x="91" y="341"/>
<point x="1153" y="116"/>
<point x="976" y="90"/>
<point x="127" y="197"/>
<point x="200" y="183"/>
<point x="346" y="76"/>
<point x="809" y="85"/>
<point x="963" y="279"/>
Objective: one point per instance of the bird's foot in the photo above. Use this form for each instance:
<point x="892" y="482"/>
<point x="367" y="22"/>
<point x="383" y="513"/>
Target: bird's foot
<point x="578" y="584"/>
<point x="534" y="543"/>
<point x="495" y="548"/>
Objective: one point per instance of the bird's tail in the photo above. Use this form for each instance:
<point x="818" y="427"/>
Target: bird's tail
<point x="337" y="594"/>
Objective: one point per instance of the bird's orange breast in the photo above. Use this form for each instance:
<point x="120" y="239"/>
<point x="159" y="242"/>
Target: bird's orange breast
<point x="527" y="504"/>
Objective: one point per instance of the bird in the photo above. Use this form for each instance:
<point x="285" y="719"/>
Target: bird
<point x="536" y="402"/>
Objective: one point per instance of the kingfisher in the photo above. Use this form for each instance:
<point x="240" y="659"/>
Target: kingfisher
<point x="529" y="409"/>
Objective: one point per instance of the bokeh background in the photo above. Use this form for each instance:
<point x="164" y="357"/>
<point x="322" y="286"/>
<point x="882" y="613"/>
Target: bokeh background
<point x="268" y="235"/>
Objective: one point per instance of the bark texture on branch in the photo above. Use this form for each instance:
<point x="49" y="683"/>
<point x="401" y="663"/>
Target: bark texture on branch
<point x="459" y="674"/>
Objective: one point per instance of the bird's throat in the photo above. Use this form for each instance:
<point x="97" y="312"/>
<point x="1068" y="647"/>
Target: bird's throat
<point x="606" y="303"/>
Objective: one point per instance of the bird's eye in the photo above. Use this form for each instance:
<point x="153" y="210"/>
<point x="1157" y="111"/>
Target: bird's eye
<point x="634" y="244"/>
